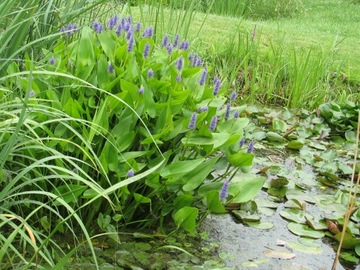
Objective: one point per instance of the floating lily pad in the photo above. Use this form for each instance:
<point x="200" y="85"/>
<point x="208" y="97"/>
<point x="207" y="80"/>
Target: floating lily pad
<point x="261" y="225"/>
<point x="279" y="254"/>
<point x="304" y="230"/>
<point x="305" y="248"/>
<point x="294" y="215"/>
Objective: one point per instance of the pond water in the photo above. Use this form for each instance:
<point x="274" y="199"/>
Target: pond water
<point x="244" y="247"/>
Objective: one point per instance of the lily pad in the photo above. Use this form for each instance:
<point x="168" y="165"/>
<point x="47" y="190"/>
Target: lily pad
<point x="304" y="230"/>
<point x="279" y="254"/>
<point x="261" y="225"/>
<point x="305" y="248"/>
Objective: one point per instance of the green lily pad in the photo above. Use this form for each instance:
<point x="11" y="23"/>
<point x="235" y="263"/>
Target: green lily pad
<point x="296" y="145"/>
<point x="260" y="225"/>
<point x="304" y="230"/>
<point x="305" y="248"/>
<point x="294" y="215"/>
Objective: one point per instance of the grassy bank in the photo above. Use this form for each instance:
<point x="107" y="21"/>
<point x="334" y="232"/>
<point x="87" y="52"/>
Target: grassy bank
<point x="312" y="53"/>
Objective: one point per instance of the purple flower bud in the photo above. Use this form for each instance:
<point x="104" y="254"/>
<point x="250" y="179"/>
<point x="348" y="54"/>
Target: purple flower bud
<point x="242" y="142"/>
<point x="129" y="34"/>
<point x="165" y="41"/>
<point x="98" y="27"/>
<point x="194" y="58"/>
<point x="213" y="123"/>
<point x="129" y="19"/>
<point x="130" y="173"/>
<point x="251" y="147"/>
<point x="180" y="63"/>
<point x="112" y="22"/>
<point x="178" y="78"/>
<point x="198" y="62"/>
<point x="138" y="27"/>
<point x="227" y="112"/>
<point x="192" y="123"/>
<point x="203" y="77"/>
<point x="148" y="33"/>
<point x="150" y="73"/>
<point x="176" y="40"/>
<point x="233" y="96"/>
<point x="110" y="68"/>
<point x="184" y="45"/>
<point x="146" y="50"/>
<point x="236" y="114"/>
<point x="224" y="193"/>
<point x="131" y="44"/>
<point x="32" y="94"/>
<point x="169" y="48"/>
<point x="217" y="85"/>
<point x="69" y="29"/>
<point x="119" y="30"/>
<point x="52" y="60"/>
<point x="141" y="90"/>
<point x="204" y="109"/>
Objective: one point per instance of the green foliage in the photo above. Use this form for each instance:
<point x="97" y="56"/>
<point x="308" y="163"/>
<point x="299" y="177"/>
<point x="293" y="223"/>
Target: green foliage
<point x="106" y="115"/>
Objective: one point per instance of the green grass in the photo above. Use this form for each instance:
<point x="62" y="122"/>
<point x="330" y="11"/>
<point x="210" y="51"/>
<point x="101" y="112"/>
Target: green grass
<point x="318" y="39"/>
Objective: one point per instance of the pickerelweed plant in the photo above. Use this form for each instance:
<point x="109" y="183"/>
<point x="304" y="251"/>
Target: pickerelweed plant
<point x="143" y="103"/>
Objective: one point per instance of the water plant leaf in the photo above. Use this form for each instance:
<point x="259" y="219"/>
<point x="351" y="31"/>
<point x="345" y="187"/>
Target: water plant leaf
<point x="186" y="218"/>
<point x="69" y="193"/>
<point x="305" y="248"/>
<point x="195" y="178"/>
<point x="180" y="167"/>
<point x="304" y="230"/>
<point x="279" y="254"/>
<point x="213" y="202"/>
<point x="245" y="190"/>
<point x="295" y="145"/>
<point x="357" y="249"/>
<point x="241" y="159"/>
<point x="274" y="137"/>
<point x="262" y="225"/>
<point x="293" y="215"/>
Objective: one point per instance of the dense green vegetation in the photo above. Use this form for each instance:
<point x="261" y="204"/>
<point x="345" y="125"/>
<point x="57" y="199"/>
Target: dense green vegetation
<point x="140" y="117"/>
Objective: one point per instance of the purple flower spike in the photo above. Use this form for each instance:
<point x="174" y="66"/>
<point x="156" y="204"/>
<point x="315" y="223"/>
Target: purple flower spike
<point x="69" y="29"/>
<point x="203" y="76"/>
<point x="169" y="48"/>
<point x="130" y="173"/>
<point x="213" y="123"/>
<point x="192" y="123"/>
<point x="242" y="142"/>
<point x="129" y="34"/>
<point x="233" y="96"/>
<point x="184" y="45"/>
<point x="198" y="62"/>
<point x="224" y="193"/>
<point x="119" y="30"/>
<point x="165" y="41"/>
<point x="146" y="50"/>
<point x="112" y="22"/>
<point x="236" y="114"/>
<point x="150" y="73"/>
<point x="52" y="60"/>
<point x="131" y="44"/>
<point x="176" y="40"/>
<point x="204" y="109"/>
<point x="251" y="147"/>
<point x="138" y="27"/>
<point x="148" y="33"/>
<point x="98" y="27"/>
<point x="110" y="68"/>
<point x="217" y="85"/>
<point x="141" y="90"/>
<point x="178" y="78"/>
<point x="180" y="63"/>
<point x="227" y="112"/>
